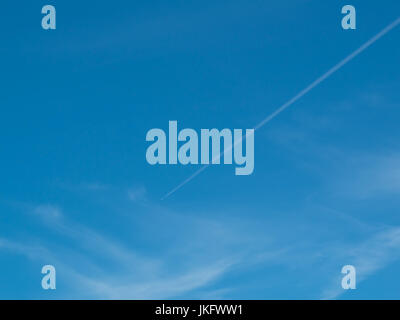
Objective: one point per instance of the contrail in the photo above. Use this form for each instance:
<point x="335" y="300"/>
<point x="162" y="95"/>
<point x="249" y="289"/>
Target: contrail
<point x="301" y="94"/>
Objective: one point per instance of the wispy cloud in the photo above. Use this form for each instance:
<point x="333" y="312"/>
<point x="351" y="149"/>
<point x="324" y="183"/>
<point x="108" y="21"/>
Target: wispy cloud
<point x="99" y="267"/>
<point x="161" y="288"/>
<point x="368" y="257"/>
<point x="48" y="212"/>
<point x="137" y="194"/>
<point x="368" y="175"/>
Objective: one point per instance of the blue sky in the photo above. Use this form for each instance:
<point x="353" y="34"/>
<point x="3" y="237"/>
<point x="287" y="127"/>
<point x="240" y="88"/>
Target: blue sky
<point x="77" y="191"/>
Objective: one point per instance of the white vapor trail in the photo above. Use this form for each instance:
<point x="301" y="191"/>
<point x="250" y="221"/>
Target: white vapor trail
<point x="301" y="94"/>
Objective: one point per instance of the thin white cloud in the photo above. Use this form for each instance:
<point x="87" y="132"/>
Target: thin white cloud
<point x="368" y="257"/>
<point x="105" y="284"/>
<point x="168" y="287"/>
<point x="98" y="267"/>
<point x="48" y="212"/>
<point x="369" y="176"/>
<point x="91" y="241"/>
<point x="137" y="194"/>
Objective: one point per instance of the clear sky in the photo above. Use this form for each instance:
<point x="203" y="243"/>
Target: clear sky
<point x="76" y="191"/>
